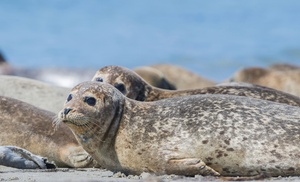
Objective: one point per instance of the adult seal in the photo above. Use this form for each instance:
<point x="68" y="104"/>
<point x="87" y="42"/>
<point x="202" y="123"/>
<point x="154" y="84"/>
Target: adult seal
<point x="286" y="81"/>
<point x="200" y="134"/>
<point x="32" y="129"/>
<point x="182" y="78"/>
<point x="154" y="77"/>
<point x="134" y="87"/>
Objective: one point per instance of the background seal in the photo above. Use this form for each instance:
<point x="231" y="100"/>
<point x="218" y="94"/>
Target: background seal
<point x="134" y="87"/>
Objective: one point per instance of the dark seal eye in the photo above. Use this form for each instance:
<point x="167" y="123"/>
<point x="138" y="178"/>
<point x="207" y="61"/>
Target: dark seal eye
<point x="98" y="79"/>
<point x="69" y="98"/>
<point x="120" y="87"/>
<point x="90" y="100"/>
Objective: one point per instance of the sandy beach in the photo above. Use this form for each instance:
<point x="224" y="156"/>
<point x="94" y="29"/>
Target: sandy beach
<point x="94" y="174"/>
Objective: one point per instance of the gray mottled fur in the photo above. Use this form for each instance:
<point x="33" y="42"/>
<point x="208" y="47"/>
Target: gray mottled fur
<point x="138" y="89"/>
<point x="233" y="136"/>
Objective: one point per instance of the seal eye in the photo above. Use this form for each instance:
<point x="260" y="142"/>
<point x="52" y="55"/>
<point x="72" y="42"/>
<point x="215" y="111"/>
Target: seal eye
<point x="69" y="98"/>
<point x="98" y="79"/>
<point x="120" y="87"/>
<point x="90" y="100"/>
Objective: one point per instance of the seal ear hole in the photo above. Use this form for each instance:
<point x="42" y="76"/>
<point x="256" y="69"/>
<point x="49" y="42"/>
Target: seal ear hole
<point x="90" y="101"/>
<point x="99" y="79"/>
<point x="120" y="87"/>
<point x="69" y="98"/>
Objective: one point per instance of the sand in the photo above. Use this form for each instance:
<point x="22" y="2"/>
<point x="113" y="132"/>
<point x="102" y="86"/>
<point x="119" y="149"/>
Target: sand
<point x="94" y="174"/>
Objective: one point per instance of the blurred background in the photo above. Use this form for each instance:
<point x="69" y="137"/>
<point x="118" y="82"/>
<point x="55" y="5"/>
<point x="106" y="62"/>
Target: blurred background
<point x="212" y="38"/>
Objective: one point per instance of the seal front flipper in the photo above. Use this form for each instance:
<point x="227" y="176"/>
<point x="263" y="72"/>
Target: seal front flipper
<point x="190" y="167"/>
<point x="16" y="157"/>
<point x="77" y="157"/>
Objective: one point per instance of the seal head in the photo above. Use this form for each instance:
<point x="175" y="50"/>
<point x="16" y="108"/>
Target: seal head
<point x="93" y="117"/>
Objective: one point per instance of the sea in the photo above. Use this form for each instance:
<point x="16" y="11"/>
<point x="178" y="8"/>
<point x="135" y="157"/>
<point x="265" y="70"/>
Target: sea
<point x="212" y="38"/>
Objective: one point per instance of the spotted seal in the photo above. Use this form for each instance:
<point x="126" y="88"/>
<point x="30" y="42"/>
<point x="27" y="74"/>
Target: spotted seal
<point x="134" y="87"/>
<point x="32" y="129"/>
<point x="201" y="134"/>
<point x="287" y="81"/>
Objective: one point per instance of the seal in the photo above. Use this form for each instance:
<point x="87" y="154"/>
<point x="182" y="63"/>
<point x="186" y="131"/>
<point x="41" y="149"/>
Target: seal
<point x="283" y="67"/>
<point x="16" y="157"/>
<point x="201" y="134"/>
<point x="134" y="87"/>
<point x="154" y="77"/>
<point x="182" y="78"/>
<point x="32" y="129"/>
<point x="286" y="81"/>
<point x="37" y="93"/>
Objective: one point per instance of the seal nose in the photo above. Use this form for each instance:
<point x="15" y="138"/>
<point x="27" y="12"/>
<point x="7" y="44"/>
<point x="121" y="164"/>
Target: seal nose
<point x="67" y="110"/>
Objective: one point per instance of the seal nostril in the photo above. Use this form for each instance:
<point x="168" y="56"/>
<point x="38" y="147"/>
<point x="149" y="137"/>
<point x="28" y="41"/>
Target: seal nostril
<point x="67" y="110"/>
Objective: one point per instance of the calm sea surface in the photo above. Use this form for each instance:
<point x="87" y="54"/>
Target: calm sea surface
<point x="213" y="38"/>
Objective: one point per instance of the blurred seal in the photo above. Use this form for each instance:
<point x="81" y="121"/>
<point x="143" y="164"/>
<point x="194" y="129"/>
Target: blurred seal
<point x="287" y="81"/>
<point x="180" y="77"/>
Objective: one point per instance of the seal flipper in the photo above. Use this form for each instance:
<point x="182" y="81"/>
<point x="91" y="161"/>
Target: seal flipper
<point x="16" y="157"/>
<point x="76" y="156"/>
<point x="190" y="167"/>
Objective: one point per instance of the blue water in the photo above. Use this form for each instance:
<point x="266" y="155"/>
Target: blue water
<point x="213" y="38"/>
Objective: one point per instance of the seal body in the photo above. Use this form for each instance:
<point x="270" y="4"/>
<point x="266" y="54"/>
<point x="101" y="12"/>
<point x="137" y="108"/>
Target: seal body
<point x="37" y="93"/>
<point x="134" y="87"/>
<point x="283" y="67"/>
<point x="200" y="134"/>
<point x="180" y="77"/>
<point x="154" y="77"/>
<point x="31" y="128"/>
<point x="287" y="81"/>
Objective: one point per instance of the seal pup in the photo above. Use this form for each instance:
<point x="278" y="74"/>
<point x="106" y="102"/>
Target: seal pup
<point x="287" y="81"/>
<point x="37" y="93"/>
<point x="16" y="157"/>
<point x="32" y="129"/>
<point x="134" y="87"/>
<point x="182" y="78"/>
<point x="154" y="77"/>
<point x="200" y="134"/>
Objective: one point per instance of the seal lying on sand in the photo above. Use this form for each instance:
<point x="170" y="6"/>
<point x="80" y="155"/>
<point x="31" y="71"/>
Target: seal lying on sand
<point x="16" y="157"/>
<point x="201" y="134"/>
<point x="134" y="87"/>
<point x="287" y="81"/>
<point x="31" y="128"/>
<point x="39" y="94"/>
<point x="180" y="77"/>
<point x="154" y="77"/>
